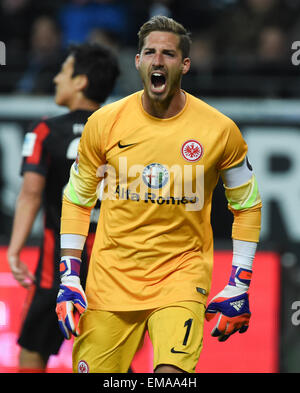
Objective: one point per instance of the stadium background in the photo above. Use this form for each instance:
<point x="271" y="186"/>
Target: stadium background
<point x="244" y="62"/>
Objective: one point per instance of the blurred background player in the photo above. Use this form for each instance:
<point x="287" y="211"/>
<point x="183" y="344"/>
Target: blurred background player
<point x="87" y="77"/>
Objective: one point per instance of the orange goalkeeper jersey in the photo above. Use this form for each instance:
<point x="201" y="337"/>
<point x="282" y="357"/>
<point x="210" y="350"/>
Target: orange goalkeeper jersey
<point x="154" y="241"/>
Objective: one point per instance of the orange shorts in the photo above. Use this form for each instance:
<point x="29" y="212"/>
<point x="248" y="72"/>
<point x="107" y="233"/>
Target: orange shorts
<point x="108" y="340"/>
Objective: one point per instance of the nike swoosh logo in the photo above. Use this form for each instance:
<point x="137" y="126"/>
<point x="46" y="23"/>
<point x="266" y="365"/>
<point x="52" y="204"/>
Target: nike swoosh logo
<point x="174" y="351"/>
<point x="123" y="146"/>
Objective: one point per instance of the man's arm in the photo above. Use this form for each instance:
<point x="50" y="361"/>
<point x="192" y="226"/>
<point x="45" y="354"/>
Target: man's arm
<point x="232" y="303"/>
<point x="27" y="207"/>
<point x="71" y="251"/>
<point x="80" y="196"/>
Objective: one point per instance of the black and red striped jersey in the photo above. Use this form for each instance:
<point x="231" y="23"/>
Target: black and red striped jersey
<point x="50" y="148"/>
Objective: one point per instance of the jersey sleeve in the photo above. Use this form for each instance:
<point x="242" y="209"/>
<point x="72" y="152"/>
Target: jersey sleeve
<point x="81" y="192"/>
<point x="241" y="188"/>
<point x="235" y="149"/>
<point x="35" y="157"/>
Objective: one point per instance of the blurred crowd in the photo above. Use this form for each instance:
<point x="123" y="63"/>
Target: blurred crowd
<point x="240" y="47"/>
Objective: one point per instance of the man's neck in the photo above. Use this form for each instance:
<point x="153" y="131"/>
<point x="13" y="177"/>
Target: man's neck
<point x="164" y="109"/>
<point x="84" y="104"/>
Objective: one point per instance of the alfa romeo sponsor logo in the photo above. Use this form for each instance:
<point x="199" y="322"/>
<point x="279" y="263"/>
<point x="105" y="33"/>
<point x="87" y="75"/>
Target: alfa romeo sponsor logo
<point x="192" y="150"/>
<point x="155" y="175"/>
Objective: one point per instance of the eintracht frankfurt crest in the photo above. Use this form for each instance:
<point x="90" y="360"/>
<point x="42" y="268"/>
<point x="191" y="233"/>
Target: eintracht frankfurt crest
<point x="192" y="150"/>
<point x="155" y="176"/>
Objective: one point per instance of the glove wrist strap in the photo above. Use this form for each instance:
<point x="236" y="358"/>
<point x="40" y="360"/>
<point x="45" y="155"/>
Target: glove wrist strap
<point x="243" y="255"/>
<point x="69" y="266"/>
<point x="240" y="277"/>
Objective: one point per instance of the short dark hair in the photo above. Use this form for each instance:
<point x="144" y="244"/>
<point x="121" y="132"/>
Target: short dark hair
<point x="100" y="66"/>
<point x="163" y="23"/>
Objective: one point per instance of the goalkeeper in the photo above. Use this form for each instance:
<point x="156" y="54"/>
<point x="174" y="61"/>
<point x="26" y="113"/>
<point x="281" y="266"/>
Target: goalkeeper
<point x="161" y="152"/>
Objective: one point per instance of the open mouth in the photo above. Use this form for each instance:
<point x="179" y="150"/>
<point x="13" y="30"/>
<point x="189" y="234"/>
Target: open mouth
<point x="158" y="82"/>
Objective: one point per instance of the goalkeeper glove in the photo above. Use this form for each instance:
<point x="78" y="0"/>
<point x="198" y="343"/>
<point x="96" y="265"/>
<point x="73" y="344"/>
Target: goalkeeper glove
<point x="70" y="295"/>
<point x="232" y="305"/>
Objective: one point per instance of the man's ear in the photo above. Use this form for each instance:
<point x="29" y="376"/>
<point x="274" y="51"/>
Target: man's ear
<point x="137" y="61"/>
<point x="81" y="82"/>
<point x="186" y="64"/>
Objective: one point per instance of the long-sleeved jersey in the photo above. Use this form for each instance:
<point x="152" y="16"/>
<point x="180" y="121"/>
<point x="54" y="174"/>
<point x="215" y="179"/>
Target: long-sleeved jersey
<point x="154" y="242"/>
